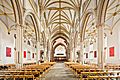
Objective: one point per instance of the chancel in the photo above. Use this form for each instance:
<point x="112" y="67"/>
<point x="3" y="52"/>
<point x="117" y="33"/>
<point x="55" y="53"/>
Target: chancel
<point x="59" y="40"/>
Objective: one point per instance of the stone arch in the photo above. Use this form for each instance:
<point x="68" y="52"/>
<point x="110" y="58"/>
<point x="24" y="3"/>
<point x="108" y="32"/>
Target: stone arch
<point x="59" y="37"/>
<point x="57" y="46"/>
<point x="35" y="22"/>
<point x="18" y="14"/>
<point x="43" y="37"/>
<point x="18" y="10"/>
<point x="101" y="11"/>
<point x="84" y="22"/>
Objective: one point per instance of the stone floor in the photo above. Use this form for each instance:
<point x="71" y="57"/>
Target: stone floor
<point x="60" y="72"/>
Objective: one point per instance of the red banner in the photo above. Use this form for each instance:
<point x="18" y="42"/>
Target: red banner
<point x="95" y="54"/>
<point x="86" y="55"/>
<point x="33" y="55"/>
<point x="111" y="49"/>
<point x="24" y="54"/>
<point x="8" y="52"/>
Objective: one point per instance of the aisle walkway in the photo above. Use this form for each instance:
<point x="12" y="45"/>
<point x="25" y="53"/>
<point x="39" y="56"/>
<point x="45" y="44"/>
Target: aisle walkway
<point x="60" y="72"/>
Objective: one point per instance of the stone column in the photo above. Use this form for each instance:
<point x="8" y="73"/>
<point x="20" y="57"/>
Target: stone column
<point x="78" y="55"/>
<point x="52" y="54"/>
<point x="71" y="55"/>
<point x="81" y="53"/>
<point x="19" y="45"/>
<point x="100" y="40"/>
<point x="45" y="55"/>
<point x="49" y="52"/>
<point x="38" y="52"/>
<point x="75" y="55"/>
<point x="49" y="56"/>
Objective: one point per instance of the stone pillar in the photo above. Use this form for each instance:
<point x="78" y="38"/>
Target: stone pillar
<point x="81" y="53"/>
<point x="38" y="52"/>
<point x="72" y="54"/>
<point x="19" y="45"/>
<point x="78" y="55"/>
<point x="45" y="55"/>
<point x="100" y="40"/>
<point x="52" y="54"/>
<point x="75" y="55"/>
<point x="49" y="56"/>
<point x="49" y="51"/>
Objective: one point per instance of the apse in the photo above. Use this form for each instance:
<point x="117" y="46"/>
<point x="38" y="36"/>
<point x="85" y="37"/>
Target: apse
<point x="60" y="51"/>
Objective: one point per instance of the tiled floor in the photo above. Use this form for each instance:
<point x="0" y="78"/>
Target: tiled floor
<point x="60" y="72"/>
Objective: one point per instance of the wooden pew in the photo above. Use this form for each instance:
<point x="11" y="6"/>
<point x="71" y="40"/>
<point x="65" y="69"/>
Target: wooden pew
<point x="5" y="77"/>
<point x="27" y="64"/>
<point x="113" y="66"/>
<point x="10" y="66"/>
<point x="7" y="66"/>
<point x="48" y="63"/>
<point x="85" y="75"/>
<point x="80" y="68"/>
<point x="34" y="70"/>
<point x="79" y="71"/>
<point x="88" y="72"/>
<point x="103" y="77"/>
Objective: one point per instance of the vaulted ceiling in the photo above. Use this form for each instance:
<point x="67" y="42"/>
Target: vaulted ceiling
<point x="60" y="16"/>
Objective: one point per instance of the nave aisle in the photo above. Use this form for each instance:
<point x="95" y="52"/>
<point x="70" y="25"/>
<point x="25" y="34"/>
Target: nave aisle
<point x="60" y="72"/>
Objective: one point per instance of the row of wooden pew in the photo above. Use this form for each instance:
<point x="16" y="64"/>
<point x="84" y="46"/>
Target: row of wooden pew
<point x="26" y="64"/>
<point x="113" y="66"/>
<point x="108" y="66"/>
<point x="30" y="72"/>
<point x="88" y="72"/>
<point x="7" y="66"/>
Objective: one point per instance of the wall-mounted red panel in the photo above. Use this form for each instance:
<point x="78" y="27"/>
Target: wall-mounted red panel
<point x="24" y="54"/>
<point x="95" y="54"/>
<point x="86" y="55"/>
<point x="111" y="49"/>
<point x="8" y="52"/>
<point x="33" y="55"/>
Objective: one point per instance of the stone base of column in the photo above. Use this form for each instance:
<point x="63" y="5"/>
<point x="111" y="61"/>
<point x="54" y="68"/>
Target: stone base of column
<point x="101" y="66"/>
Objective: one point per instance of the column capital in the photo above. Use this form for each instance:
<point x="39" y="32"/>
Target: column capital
<point x="98" y="25"/>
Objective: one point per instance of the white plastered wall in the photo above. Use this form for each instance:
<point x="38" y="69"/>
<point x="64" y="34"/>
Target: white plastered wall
<point x="112" y="41"/>
<point x="32" y="50"/>
<point x="7" y="40"/>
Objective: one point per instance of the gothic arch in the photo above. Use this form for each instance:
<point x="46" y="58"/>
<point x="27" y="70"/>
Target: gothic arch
<point x="84" y="22"/>
<point x="35" y="22"/>
<point x="101" y="11"/>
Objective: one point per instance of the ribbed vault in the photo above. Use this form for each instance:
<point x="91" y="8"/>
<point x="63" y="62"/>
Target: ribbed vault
<point x="60" y="16"/>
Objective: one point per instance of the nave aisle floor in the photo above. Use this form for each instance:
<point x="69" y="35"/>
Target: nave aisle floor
<point x="60" y="72"/>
